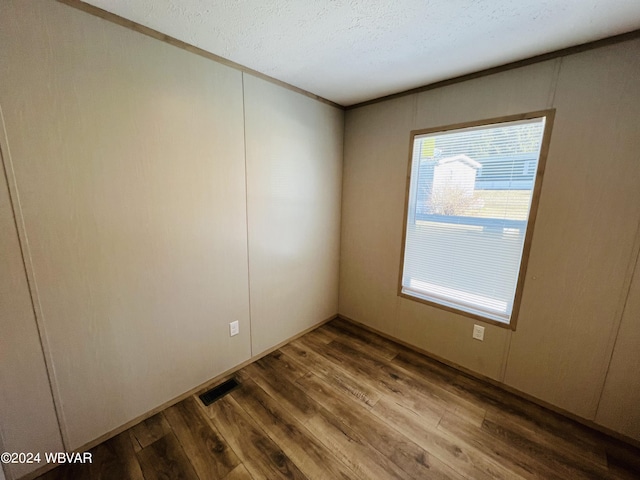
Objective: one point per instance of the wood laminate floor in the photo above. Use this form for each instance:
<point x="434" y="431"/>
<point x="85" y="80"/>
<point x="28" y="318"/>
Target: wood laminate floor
<point x="341" y="402"/>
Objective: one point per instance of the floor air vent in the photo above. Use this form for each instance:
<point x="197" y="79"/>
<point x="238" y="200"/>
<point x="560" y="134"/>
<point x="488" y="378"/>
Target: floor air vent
<point x="219" y="391"/>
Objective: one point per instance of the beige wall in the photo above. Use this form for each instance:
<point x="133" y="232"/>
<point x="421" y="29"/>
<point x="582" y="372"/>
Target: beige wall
<point x="618" y="407"/>
<point x="583" y="247"/>
<point x="294" y="179"/>
<point x="25" y="396"/>
<point x="129" y="160"/>
<point x="129" y="164"/>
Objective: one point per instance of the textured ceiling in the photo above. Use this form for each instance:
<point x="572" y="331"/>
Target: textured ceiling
<point x="349" y="51"/>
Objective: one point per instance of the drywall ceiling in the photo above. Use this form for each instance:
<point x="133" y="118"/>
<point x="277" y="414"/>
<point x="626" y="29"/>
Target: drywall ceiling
<point x="349" y="51"/>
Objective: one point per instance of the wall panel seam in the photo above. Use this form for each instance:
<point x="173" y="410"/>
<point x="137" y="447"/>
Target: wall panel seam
<point x="551" y="99"/>
<point x="27" y="263"/>
<point x="553" y="88"/>
<point x="615" y="330"/>
<point x="246" y="207"/>
<point x="505" y="357"/>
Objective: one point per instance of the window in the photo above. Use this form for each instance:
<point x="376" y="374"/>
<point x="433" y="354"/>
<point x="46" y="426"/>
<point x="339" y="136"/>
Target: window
<point x="472" y="201"/>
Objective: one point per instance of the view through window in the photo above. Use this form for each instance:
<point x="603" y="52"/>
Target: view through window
<point x="471" y="195"/>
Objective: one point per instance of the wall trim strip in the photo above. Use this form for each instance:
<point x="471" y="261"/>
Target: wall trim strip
<point x="603" y="42"/>
<point x="118" y="20"/>
<point x="124" y="22"/>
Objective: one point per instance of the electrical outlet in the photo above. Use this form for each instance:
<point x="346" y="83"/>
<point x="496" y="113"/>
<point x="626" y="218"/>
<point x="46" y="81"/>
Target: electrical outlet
<point x="478" y="332"/>
<point x="234" y="328"/>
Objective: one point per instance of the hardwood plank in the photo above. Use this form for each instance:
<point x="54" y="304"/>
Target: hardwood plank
<point x="488" y="396"/>
<point x="328" y="371"/>
<point x="566" y="466"/>
<point x="623" y="470"/>
<point x="407" y="455"/>
<point x="389" y="374"/>
<point x="165" y="459"/>
<point x="210" y="455"/>
<point x="115" y="459"/>
<point x="239" y="473"/>
<point x="494" y="397"/>
<point x="623" y="458"/>
<point x="471" y="414"/>
<point x="368" y="335"/>
<point x="359" y="342"/>
<point x="347" y="445"/>
<point x="352" y="449"/>
<point x="595" y="456"/>
<point x="312" y="457"/>
<point x="367" y="341"/>
<point x="414" y="362"/>
<point x="504" y="454"/>
<point x="148" y="431"/>
<point x="462" y="458"/>
<point x="259" y="454"/>
<point x="413" y="391"/>
<point x="54" y="474"/>
<point x="323" y="335"/>
<point x="66" y="471"/>
<point x="294" y="399"/>
<point x="352" y="369"/>
<point x="289" y="370"/>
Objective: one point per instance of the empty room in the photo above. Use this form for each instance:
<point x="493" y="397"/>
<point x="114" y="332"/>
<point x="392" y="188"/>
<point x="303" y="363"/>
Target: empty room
<point x="316" y="240"/>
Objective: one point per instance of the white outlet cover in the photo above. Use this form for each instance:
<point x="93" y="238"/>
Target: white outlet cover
<point x="478" y="332"/>
<point x="234" y="328"/>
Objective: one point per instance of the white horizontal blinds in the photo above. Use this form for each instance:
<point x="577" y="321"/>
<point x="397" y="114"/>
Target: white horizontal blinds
<point x="469" y="203"/>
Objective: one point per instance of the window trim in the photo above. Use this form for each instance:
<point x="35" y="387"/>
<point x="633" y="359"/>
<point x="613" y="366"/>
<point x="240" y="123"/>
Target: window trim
<point x="537" y="188"/>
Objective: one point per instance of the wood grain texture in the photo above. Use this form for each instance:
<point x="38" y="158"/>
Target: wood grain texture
<point x="346" y="444"/>
<point x="415" y="461"/>
<point x="464" y="459"/>
<point x="165" y="459"/>
<point x="292" y="418"/>
<point x="239" y="473"/>
<point x="343" y="382"/>
<point x="148" y="431"/>
<point x="210" y="455"/>
<point x="298" y="443"/>
<point x="261" y="456"/>
<point x="112" y="459"/>
<point x="369" y="343"/>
